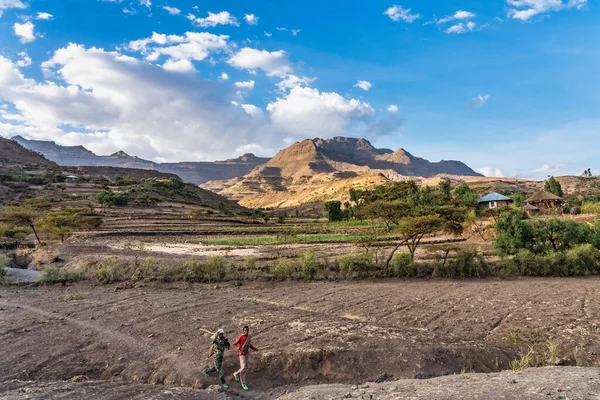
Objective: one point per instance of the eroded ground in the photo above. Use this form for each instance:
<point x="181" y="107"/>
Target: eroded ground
<point x="307" y="333"/>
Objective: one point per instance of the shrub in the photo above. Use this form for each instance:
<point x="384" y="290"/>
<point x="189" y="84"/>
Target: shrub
<point x="402" y="265"/>
<point x="145" y="270"/>
<point x="250" y="262"/>
<point x="590" y="208"/>
<point x="309" y="264"/>
<point x="355" y="265"/>
<point x="531" y="265"/>
<point x="466" y="264"/>
<point x="110" y="271"/>
<point x="283" y="269"/>
<point x="216" y="268"/>
<point x="53" y="274"/>
<point x="506" y="267"/>
<point x="4" y="263"/>
<point x="171" y="274"/>
<point x="582" y="260"/>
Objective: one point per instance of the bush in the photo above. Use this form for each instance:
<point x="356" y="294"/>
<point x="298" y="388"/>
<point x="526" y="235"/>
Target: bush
<point x="283" y="269"/>
<point x="530" y="264"/>
<point x="355" y="265"/>
<point x="110" y="271"/>
<point x="53" y="274"/>
<point x="4" y="263"/>
<point x="309" y="265"/>
<point x="145" y="270"/>
<point x="216" y="268"/>
<point x="171" y="274"/>
<point x="402" y="265"/>
<point x="590" y="208"/>
<point x="466" y="264"/>
<point x="582" y="260"/>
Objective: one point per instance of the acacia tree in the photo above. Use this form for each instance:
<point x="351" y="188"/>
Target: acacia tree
<point x="22" y="216"/>
<point x="388" y="212"/>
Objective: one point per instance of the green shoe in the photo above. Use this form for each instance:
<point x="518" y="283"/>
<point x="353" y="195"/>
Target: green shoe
<point x="244" y="386"/>
<point x="205" y="373"/>
<point x="225" y="386"/>
<point x="237" y="378"/>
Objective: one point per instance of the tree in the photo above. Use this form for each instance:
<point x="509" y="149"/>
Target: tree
<point x="445" y="187"/>
<point x="465" y="196"/>
<point x="61" y="223"/>
<point x="22" y="216"/>
<point x="554" y="187"/>
<point x="106" y="198"/>
<point x="413" y="229"/>
<point x="334" y="211"/>
<point x="388" y="212"/>
<point x="281" y="217"/>
<point x="513" y="234"/>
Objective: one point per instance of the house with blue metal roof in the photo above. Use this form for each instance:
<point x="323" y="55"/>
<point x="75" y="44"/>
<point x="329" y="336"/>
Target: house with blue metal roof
<point x="494" y="200"/>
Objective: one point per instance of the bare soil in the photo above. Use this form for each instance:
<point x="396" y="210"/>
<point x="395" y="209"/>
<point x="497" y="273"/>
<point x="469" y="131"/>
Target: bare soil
<point x="307" y="333"/>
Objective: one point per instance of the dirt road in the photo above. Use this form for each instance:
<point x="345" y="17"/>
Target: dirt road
<point x="307" y="333"/>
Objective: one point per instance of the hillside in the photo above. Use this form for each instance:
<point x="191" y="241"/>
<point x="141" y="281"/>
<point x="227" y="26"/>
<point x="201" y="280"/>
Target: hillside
<point x="12" y="152"/>
<point x="193" y="172"/>
<point x="306" y="172"/>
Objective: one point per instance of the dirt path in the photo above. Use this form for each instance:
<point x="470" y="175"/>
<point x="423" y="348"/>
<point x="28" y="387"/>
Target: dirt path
<point x="306" y="332"/>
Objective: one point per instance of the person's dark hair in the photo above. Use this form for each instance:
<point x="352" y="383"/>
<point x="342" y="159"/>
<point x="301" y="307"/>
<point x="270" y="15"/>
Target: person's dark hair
<point x="246" y="327"/>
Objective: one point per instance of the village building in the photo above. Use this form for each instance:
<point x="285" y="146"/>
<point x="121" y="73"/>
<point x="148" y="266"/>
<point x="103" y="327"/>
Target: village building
<point x="531" y="210"/>
<point x="545" y="201"/>
<point x="494" y="200"/>
<point x="72" y="178"/>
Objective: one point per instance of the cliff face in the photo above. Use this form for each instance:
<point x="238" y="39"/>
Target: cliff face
<point x="193" y="172"/>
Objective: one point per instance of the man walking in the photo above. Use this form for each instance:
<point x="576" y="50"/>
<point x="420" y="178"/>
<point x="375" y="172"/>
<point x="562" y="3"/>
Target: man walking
<point x="217" y="349"/>
<point x="243" y="344"/>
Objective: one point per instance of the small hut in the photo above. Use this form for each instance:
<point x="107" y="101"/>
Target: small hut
<point x="72" y="178"/>
<point x="544" y="200"/>
<point x="494" y="200"/>
<point x="531" y="210"/>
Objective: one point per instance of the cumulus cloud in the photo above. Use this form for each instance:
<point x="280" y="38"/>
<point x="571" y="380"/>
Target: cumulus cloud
<point x="364" y="85"/>
<point x="251" y="19"/>
<point x="457" y="15"/>
<point x="8" y="4"/>
<point x="273" y="63"/>
<point x="224" y="76"/>
<point x="146" y="3"/>
<point x="267" y="34"/>
<point x="192" y="46"/>
<point x="25" y="60"/>
<point x="182" y="65"/>
<point x="491" y="172"/>
<point x="526" y="9"/>
<point x="44" y="16"/>
<point x="397" y="13"/>
<point x="392" y="109"/>
<point x="291" y="81"/>
<point x="247" y="85"/>
<point x="461" y="28"/>
<point x="24" y="31"/>
<point x="172" y="10"/>
<point x="306" y="112"/>
<point x="212" y="20"/>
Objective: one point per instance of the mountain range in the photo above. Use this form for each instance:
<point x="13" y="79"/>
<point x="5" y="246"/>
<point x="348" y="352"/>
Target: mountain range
<point x="193" y="172"/>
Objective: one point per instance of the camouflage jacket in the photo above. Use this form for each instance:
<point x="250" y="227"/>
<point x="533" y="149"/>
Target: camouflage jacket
<point x="219" y="346"/>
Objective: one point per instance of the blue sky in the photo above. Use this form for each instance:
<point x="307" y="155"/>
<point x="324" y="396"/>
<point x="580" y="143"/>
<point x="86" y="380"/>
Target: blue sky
<point x="507" y="86"/>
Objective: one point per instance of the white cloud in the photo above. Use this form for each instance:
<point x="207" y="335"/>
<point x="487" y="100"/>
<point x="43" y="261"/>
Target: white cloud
<point x="479" y="101"/>
<point x="393" y="109"/>
<point x="306" y="112"/>
<point x="246" y="85"/>
<point x="526" y="9"/>
<point x="212" y="20"/>
<point x="146" y="3"/>
<point x="172" y="10"/>
<point x="25" y="31"/>
<point x="267" y="34"/>
<point x="364" y="85"/>
<point x="8" y="4"/>
<point x="251" y="19"/>
<point x="182" y="65"/>
<point x="461" y="28"/>
<point x="291" y="81"/>
<point x="224" y="77"/>
<point x="44" y="16"/>
<point x="491" y="172"/>
<point x="397" y="13"/>
<point x="192" y="46"/>
<point x="25" y="60"/>
<point x="457" y="15"/>
<point x="295" y="31"/>
<point x="281" y="29"/>
<point x="273" y="63"/>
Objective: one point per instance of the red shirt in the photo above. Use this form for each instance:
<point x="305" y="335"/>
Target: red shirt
<point x="239" y="345"/>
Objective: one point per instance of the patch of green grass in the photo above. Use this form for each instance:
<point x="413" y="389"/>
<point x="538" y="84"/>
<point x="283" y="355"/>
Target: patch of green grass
<point x="52" y="275"/>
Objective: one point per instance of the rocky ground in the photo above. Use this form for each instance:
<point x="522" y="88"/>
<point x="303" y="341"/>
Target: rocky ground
<point x="307" y="333"/>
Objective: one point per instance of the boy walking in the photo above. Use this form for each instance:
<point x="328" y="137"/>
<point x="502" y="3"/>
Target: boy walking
<point x="217" y="349"/>
<point x="243" y="344"/>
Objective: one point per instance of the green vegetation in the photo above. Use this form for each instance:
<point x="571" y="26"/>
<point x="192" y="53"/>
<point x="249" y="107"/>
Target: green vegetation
<point x="4" y="263"/>
<point x="285" y="239"/>
<point x="110" y="271"/>
<point x="354" y="266"/>
<point x="554" y="187"/>
<point x="309" y="266"/>
<point x="283" y="269"/>
<point x="334" y="211"/>
<point x="52" y="275"/>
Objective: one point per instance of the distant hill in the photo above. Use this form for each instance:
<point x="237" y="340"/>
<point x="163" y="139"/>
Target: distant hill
<point x="12" y="152"/>
<point x="319" y="162"/>
<point x="193" y="172"/>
